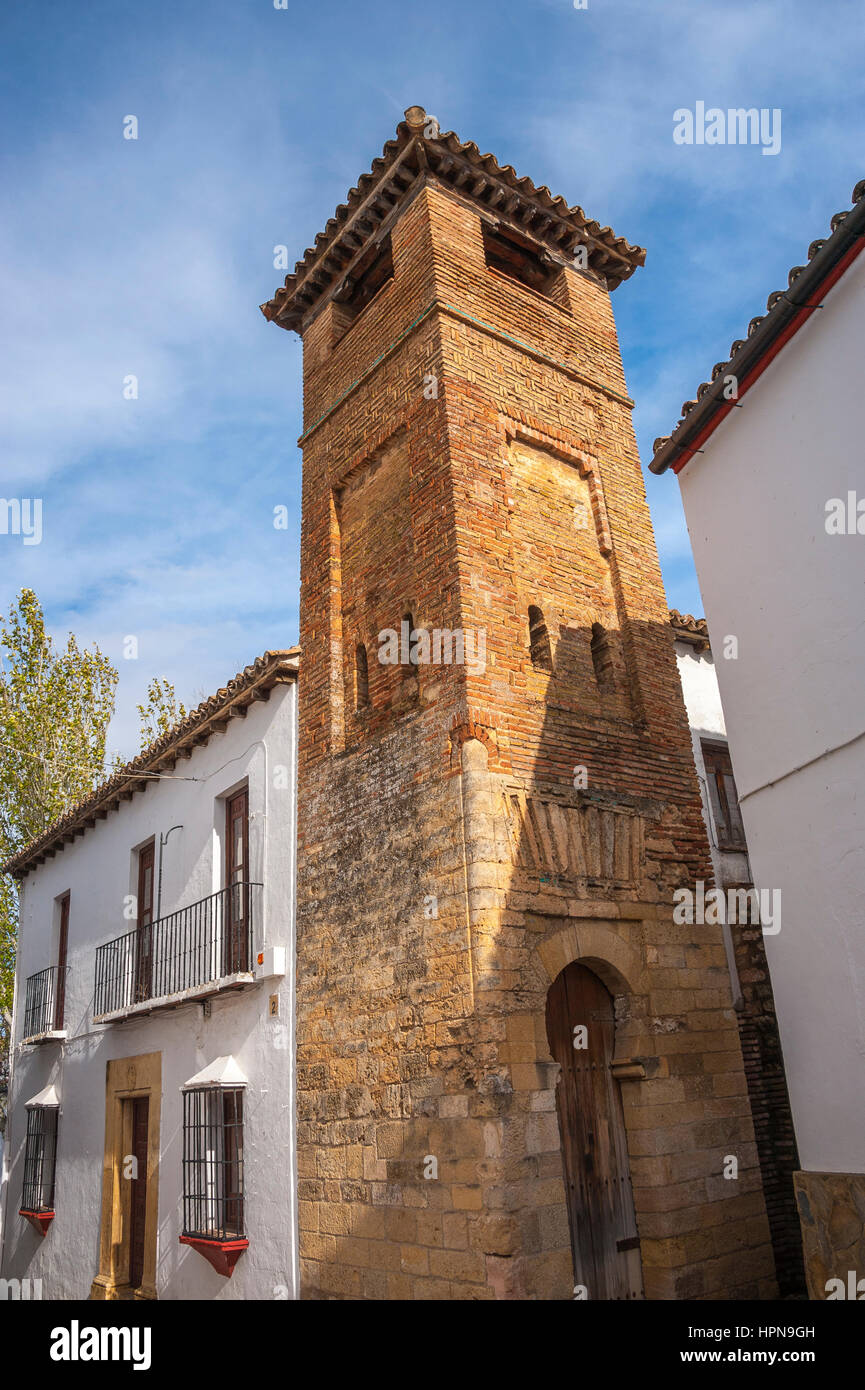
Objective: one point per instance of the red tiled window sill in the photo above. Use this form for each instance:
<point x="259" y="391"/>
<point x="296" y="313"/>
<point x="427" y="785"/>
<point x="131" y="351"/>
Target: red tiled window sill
<point x="222" y="1254"/>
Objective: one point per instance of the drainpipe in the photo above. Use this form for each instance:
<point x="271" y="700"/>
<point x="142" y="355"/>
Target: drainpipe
<point x="163" y="840"/>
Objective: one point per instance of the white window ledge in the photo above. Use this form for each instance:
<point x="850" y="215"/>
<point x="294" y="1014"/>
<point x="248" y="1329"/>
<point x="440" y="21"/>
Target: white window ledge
<point x="50" y="1035"/>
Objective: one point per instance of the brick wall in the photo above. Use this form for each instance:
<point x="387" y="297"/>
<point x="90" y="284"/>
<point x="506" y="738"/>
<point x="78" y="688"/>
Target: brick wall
<point x="770" y="1104"/>
<point x="449" y="868"/>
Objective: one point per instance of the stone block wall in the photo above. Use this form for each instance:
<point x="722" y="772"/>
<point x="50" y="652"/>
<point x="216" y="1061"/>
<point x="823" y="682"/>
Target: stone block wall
<point x="832" y="1213"/>
<point x="468" y="453"/>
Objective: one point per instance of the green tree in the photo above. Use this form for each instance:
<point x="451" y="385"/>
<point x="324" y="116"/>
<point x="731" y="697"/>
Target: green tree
<point x="161" y="711"/>
<point x="55" y="708"/>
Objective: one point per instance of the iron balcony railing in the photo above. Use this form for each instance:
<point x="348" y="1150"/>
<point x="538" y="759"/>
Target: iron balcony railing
<point x="40" y="1004"/>
<point x="194" y="946"/>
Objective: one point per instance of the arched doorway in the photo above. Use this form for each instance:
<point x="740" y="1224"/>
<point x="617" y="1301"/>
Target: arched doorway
<point x="581" y="1030"/>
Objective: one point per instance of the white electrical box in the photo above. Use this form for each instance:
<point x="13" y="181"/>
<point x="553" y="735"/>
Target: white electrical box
<point x="270" y="963"/>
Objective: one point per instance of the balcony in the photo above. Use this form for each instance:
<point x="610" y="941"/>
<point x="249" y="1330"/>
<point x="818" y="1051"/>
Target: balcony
<point x="191" y="954"/>
<point x="43" y="1007"/>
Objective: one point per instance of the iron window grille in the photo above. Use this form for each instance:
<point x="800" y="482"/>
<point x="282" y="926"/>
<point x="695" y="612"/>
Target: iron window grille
<point x="40" y="1158"/>
<point x="213" y="1162"/>
<point x="40" y="1003"/>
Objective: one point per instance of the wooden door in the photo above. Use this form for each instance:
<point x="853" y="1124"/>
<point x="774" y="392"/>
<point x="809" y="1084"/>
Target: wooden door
<point x="594" y="1142"/>
<point x="138" y="1198"/>
<point x="237" y="883"/>
<point x="144" y="940"/>
<point x="60" y="996"/>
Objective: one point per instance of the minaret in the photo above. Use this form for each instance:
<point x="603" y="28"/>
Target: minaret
<point x="517" y="1074"/>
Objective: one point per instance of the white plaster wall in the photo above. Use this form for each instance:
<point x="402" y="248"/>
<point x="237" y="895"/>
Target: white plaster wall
<point x="755" y="502"/>
<point x="700" y="690"/>
<point x="706" y="720"/>
<point x="96" y="870"/>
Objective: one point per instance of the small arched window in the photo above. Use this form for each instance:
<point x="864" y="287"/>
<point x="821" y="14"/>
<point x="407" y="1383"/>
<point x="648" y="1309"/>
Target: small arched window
<point x="361" y="677"/>
<point x="539" y="641"/>
<point x="602" y="658"/>
<point x="405" y="646"/>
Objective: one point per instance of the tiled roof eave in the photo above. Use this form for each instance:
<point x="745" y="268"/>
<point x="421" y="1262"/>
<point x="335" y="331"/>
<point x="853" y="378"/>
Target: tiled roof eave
<point x="689" y="629"/>
<point x="443" y="157"/>
<point x="786" y="311"/>
<point x="211" y="716"/>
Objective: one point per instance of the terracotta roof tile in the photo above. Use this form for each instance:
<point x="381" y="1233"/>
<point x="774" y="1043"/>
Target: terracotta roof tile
<point x="779" y="307"/>
<point x="273" y="668"/>
<point x="689" y="629"/>
<point x="446" y="157"/>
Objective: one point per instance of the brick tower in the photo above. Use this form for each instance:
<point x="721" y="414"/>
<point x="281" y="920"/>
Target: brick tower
<point x="516" y="1073"/>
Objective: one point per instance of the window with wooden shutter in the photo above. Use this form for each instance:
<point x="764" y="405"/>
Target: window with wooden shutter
<point x="144" y="928"/>
<point x="723" y="797"/>
<point x="62" y="948"/>
<point x="238" y="936"/>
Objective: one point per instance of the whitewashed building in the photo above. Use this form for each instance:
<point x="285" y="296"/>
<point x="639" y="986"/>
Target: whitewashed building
<point x="770" y="464"/>
<point x="750" y="983"/>
<point x="151" y="1147"/>
<point x="721" y="813"/>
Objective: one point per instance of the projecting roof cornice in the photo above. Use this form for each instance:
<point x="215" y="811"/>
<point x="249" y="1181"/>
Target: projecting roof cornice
<point x="421" y="153"/>
<point x="786" y="312"/>
<point x="689" y="629"/>
<point x="253" y="683"/>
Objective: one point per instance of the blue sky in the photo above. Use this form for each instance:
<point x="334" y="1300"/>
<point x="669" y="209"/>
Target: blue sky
<point x="150" y="257"/>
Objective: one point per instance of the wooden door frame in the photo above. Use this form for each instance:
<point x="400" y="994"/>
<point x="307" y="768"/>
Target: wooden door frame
<point x="611" y="946"/>
<point x="586" y="1095"/>
<point x="62" y="953"/>
<point x="149" y="848"/>
<point x="230" y="954"/>
<point x="132" y="1103"/>
<point x="128" y="1078"/>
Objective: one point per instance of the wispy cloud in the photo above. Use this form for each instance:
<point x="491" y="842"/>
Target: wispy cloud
<point x="150" y="257"/>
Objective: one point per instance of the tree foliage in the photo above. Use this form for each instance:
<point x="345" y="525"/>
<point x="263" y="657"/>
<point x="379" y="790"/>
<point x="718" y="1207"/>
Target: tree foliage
<point x="55" y="708"/>
<point x="160" y="712"/>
